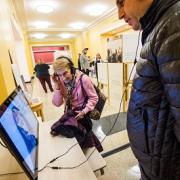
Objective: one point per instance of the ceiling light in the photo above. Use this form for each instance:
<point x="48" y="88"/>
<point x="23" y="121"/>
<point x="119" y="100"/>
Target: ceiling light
<point x="78" y="25"/>
<point x="96" y="10"/>
<point x="41" y="24"/>
<point x="44" y="4"/>
<point x="39" y="35"/>
<point x="65" y="35"/>
<point x="44" y="8"/>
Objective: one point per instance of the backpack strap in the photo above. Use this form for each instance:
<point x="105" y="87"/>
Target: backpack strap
<point x="83" y="91"/>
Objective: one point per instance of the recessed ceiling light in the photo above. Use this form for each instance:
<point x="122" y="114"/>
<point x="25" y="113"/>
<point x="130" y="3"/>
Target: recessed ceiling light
<point x="65" y="35"/>
<point x="48" y="5"/>
<point x="96" y="9"/>
<point x="39" y="35"/>
<point x="42" y="24"/>
<point x="78" y="25"/>
<point x="44" y="8"/>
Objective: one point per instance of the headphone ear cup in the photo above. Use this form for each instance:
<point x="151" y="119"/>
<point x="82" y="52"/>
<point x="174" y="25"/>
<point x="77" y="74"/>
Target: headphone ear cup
<point x="73" y="69"/>
<point x="71" y="66"/>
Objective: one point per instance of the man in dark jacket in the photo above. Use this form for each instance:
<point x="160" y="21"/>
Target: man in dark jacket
<point x="153" y="121"/>
<point x="42" y="73"/>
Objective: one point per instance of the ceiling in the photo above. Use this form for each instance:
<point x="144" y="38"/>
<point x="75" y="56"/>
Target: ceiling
<point x="66" y="12"/>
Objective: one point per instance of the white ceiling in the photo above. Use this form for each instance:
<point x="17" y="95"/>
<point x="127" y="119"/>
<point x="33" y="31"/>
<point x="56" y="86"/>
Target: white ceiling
<point x="65" y="13"/>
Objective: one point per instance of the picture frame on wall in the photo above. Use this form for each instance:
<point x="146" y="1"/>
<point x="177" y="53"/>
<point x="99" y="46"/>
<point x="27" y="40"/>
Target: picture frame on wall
<point x="114" y="50"/>
<point x="18" y="78"/>
<point x="49" y="53"/>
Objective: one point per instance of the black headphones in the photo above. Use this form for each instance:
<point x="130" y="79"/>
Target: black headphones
<point x="70" y="63"/>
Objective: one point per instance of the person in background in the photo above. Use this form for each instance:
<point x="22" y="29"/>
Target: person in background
<point x="92" y="68"/>
<point x="68" y="91"/>
<point x="79" y="64"/>
<point x="84" y="61"/>
<point x="98" y="59"/>
<point x="88" y="66"/>
<point x="109" y="55"/>
<point x="153" y="120"/>
<point x="42" y="73"/>
<point x="119" y="55"/>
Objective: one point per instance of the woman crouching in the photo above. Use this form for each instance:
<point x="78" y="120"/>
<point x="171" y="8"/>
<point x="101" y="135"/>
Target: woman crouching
<point x="68" y="91"/>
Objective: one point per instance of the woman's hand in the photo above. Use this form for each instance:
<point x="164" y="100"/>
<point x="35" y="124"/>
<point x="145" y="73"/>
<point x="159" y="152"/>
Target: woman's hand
<point x="56" y="79"/>
<point x="80" y="115"/>
<point x="58" y="84"/>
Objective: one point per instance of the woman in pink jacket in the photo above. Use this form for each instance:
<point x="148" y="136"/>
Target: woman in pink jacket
<point x="68" y="91"/>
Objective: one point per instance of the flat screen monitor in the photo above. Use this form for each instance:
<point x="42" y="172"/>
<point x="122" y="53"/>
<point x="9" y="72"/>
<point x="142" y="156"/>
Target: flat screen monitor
<point x="19" y="131"/>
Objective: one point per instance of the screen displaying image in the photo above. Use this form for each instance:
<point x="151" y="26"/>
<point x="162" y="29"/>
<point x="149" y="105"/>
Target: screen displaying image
<point x="21" y="127"/>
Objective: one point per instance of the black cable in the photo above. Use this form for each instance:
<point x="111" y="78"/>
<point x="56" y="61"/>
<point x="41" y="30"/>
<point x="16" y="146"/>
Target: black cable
<point x="56" y="158"/>
<point x="73" y="167"/>
<point x="6" y="174"/>
<point x="135" y="60"/>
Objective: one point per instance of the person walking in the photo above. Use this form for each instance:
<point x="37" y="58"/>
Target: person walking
<point x="84" y="61"/>
<point x="42" y="73"/>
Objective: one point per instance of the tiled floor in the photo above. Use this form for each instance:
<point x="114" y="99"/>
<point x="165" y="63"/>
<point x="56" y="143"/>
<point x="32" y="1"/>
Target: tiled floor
<point x="122" y="164"/>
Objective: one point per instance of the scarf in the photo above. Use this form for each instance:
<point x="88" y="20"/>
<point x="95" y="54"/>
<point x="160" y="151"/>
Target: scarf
<point x="70" y="86"/>
<point x="152" y="16"/>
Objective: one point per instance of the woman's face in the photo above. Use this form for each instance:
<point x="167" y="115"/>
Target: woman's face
<point x="65" y="75"/>
<point x="98" y="56"/>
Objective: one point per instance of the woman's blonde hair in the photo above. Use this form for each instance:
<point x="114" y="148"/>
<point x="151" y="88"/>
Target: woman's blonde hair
<point x="61" y="63"/>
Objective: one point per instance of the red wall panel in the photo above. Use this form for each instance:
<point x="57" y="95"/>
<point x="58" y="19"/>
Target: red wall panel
<point x="48" y="48"/>
<point x="45" y="53"/>
<point x="47" y="57"/>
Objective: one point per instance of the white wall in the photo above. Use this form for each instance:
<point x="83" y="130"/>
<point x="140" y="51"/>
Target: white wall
<point x="20" y="56"/>
<point x="21" y="60"/>
<point x="130" y="45"/>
